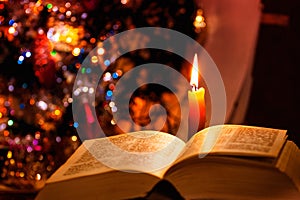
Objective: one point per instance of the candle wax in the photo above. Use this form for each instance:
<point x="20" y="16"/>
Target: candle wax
<point x="197" y="110"/>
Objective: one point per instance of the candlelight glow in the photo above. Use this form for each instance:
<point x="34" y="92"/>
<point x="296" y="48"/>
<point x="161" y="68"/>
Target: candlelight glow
<point x="194" y="75"/>
<point x="196" y="101"/>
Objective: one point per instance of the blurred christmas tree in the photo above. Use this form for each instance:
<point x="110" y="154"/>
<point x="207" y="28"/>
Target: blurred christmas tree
<point x="42" y="46"/>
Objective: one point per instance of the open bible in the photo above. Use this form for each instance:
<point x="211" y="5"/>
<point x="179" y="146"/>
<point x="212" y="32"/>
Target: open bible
<point x="219" y="162"/>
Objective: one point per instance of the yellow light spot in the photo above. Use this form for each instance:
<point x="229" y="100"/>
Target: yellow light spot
<point x="9" y="154"/>
<point x="124" y="1"/>
<point x="1" y="115"/>
<point x="22" y="174"/>
<point x="74" y="138"/>
<point x="11" y="30"/>
<point x="38" y="3"/>
<point x="57" y="112"/>
<point x="199" y="18"/>
<point x="68" y="13"/>
<point x="38" y="177"/>
<point x="12" y="161"/>
<point x="68" y="40"/>
<point x="76" y="51"/>
<point x="94" y="59"/>
<point x="37" y="135"/>
<point x="113" y="122"/>
<point x="70" y="100"/>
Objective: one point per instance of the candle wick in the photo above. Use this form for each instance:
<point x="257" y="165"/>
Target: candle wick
<point x="194" y="88"/>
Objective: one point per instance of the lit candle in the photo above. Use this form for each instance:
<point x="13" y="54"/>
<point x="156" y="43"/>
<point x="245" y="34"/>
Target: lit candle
<point x="196" y="102"/>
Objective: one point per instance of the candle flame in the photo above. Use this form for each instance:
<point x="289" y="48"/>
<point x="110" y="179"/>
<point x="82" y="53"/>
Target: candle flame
<point x="194" y="74"/>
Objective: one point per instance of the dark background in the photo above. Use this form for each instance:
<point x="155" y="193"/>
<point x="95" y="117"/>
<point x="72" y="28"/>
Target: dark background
<point x="275" y="99"/>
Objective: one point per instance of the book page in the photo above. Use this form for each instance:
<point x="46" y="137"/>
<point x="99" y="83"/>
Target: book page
<point x="236" y="140"/>
<point x="81" y="163"/>
<point x="144" y="151"/>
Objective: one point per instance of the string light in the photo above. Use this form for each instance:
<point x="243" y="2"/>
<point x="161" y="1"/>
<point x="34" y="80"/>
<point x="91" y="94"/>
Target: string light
<point x="9" y="154"/>
<point x="115" y="75"/>
<point x="66" y="33"/>
<point x="107" y="76"/>
<point x="68" y="13"/>
<point x="68" y="5"/>
<point x="11" y="22"/>
<point x="124" y="1"/>
<point x="199" y="22"/>
<point x="74" y="138"/>
<point x="76" y="51"/>
<point x="57" y="112"/>
<point x="94" y="59"/>
<point x="113" y="122"/>
<point x="100" y="51"/>
<point x="10" y="122"/>
<point x="107" y="62"/>
<point x="58" y="139"/>
<point x="42" y="105"/>
<point x="22" y="174"/>
<point x="55" y="9"/>
<point x="49" y="6"/>
<point x="76" y="125"/>
<point x="91" y="90"/>
<point x="84" y="15"/>
<point x="38" y="177"/>
<point x="11" y="88"/>
<point x="28" y="54"/>
<point x="21" y="58"/>
<point x="11" y="30"/>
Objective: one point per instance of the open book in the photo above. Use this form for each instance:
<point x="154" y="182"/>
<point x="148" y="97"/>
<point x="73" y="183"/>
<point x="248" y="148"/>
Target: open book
<point x="220" y="162"/>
